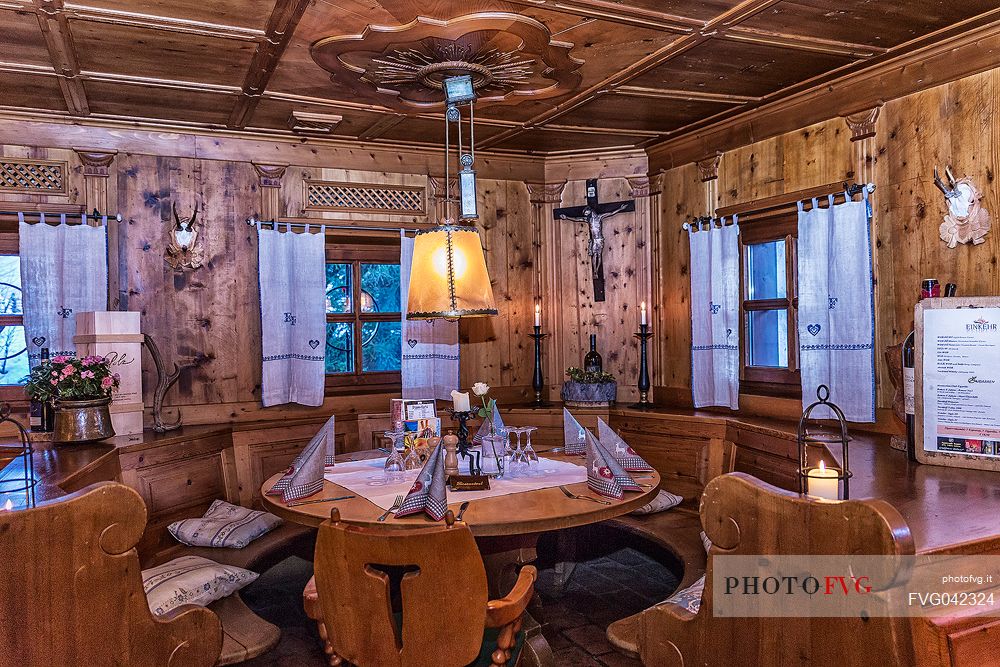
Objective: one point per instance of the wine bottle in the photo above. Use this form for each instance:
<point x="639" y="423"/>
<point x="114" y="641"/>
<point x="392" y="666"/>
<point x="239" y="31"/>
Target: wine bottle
<point x="592" y="362"/>
<point x="36" y="408"/>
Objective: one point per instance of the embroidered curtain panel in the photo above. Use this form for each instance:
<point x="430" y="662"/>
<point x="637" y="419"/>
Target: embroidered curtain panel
<point x="837" y="307"/>
<point x="292" y="275"/>
<point x="64" y="271"/>
<point x="715" y="312"/>
<point x="430" y="347"/>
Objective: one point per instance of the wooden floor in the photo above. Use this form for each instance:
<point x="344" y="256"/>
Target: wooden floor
<point x="612" y="581"/>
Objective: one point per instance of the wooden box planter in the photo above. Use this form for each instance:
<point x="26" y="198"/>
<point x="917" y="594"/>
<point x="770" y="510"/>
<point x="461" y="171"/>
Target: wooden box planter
<point x="589" y="394"/>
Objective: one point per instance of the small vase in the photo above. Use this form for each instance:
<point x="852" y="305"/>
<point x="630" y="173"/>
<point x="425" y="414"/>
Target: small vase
<point x="83" y="421"/>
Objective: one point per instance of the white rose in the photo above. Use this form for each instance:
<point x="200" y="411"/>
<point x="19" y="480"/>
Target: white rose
<point x="480" y="389"/>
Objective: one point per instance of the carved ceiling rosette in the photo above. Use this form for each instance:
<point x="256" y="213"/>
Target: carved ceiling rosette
<point x="510" y="58"/>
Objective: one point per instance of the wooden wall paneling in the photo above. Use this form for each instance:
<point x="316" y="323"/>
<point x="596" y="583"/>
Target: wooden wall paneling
<point x="751" y="172"/>
<point x="684" y="198"/>
<point x="646" y="191"/>
<point x="74" y="192"/>
<point x="295" y="205"/>
<point x="521" y="278"/>
<point x="545" y="198"/>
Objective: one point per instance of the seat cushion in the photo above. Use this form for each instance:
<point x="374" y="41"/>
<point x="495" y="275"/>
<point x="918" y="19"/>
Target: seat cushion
<point x="191" y="580"/>
<point x="224" y="525"/>
<point x="690" y="597"/>
<point x="663" y="501"/>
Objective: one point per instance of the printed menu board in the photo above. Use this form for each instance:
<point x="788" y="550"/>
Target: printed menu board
<point x="958" y="347"/>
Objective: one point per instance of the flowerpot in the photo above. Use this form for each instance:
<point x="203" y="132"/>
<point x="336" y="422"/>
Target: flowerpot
<point x="83" y="421"/>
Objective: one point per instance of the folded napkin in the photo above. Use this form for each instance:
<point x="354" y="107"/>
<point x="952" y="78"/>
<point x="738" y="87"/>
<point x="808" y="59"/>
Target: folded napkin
<point x="625" y="455"/>
<point x="428" y="493"/>
<point x="484" y="428"/>
<point x="305" y="476"/>
<point x="573" y="434"/>
<point x="663" y="501"/>
<point x="604" y="475"/>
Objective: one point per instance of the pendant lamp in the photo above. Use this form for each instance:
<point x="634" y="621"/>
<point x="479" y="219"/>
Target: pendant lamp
<point x="448" y="274"/>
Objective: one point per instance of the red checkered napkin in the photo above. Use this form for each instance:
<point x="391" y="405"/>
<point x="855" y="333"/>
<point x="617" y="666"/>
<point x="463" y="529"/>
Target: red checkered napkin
<point x="428" y="493"/>
<point x="573" y="434"/>
<point x="625" y="455"/>
<point x="305" y="476"/>
<point x="604" y="475"/>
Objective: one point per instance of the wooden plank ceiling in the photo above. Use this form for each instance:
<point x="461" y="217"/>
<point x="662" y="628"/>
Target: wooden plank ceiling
<point x="592" y="74"/>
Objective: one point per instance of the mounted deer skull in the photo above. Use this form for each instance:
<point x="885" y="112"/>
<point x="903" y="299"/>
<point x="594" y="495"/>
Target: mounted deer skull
<point x="183" y="251"/>
<point x="966" y="221"/>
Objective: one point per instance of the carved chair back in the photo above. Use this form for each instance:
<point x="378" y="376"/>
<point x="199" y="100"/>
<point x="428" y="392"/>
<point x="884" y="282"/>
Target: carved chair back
<point x="745" y="516"/>
<point x="72" y="592"/>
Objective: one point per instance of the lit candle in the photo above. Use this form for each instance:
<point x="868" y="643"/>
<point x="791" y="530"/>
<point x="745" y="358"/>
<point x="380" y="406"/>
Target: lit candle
<point x="8" y="506"/>
<point x="460" y="401"/>
<point x="823" y="482"/>
<point x="642" y="313"/>
<point x="538" y="314"/>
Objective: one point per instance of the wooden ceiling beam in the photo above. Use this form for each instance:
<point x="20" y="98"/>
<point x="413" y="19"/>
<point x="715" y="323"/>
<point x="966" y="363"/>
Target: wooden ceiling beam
<point x="800" y="43"/>
<point x="167" y="23"/>
<point x="617" y="12"/>
<point x="679" y="94"/>
<point x="280" y="25"/>
<point x="731" y="17"/>
<point x="59" y="41"/>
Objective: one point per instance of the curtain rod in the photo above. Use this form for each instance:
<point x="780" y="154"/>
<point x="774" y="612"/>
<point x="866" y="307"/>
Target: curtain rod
<point x="253" y="220"/>
<point x="95" y="214"/>
<point x="780" y="201"/>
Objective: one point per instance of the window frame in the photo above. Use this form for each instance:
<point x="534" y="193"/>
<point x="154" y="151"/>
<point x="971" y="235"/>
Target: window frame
<point x="12" y="393"/>
<point x="764" y="380"/>
<point x="354" y="254"/>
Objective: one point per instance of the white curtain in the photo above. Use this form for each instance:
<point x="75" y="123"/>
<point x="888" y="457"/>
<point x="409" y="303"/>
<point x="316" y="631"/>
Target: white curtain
<point x="430" y="347"/>
<point x="292" y="275"/>
<point x="64" y="271"/>
<point x="837" y="307"/>
<point x="715" y="312"/>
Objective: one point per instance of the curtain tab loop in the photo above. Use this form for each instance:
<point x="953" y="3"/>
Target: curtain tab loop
<point x="799" y="205"/>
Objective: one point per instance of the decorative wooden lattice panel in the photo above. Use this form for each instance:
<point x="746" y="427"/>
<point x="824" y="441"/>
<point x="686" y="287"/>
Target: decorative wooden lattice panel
<point x="32" y="176"/>
<point x="364" y="197"/>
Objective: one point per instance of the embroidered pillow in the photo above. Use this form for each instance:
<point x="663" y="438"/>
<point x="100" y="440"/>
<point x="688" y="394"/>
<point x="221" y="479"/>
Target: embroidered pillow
<point x="224" y="525"/>
<point x="191" y="580"/>
<point x="663" y="501"/>
<point x="690" y="597"/>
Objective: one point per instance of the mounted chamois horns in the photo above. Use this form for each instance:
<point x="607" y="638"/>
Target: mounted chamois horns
<point x="948" y="191"/>
<point x="177" y="219"/>
<point x="966" y="220"/>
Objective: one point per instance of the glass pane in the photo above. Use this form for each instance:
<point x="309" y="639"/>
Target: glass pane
<point x="10" y="285"/>
<point x="380" y="288"/>
<point x="338" y="288"/>
<point x="766" y="270"/>
<point x="13" y="355"/>
<point x="767" y="334"/>
<point x="380" y="346"/>
<point x="339" y="347"/>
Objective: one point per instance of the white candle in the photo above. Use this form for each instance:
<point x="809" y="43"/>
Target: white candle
<point x="538" y="314"/>
<point x="460" y="401"/>
<point x="642" y="313"/>
<point x="823" y="482"/>
<point x="8" y="506"/>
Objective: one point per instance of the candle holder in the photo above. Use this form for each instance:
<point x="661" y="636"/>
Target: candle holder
<point x="644" y="334"/>
<point x="24" y="480"/>
<point x="463" y="417"/>
<point x="537" y="382"/>
<point x="812" y="433"/>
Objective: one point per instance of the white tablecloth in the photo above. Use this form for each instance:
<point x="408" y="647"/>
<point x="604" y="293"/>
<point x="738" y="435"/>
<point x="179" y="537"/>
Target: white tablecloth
<point x="366" y="479"/>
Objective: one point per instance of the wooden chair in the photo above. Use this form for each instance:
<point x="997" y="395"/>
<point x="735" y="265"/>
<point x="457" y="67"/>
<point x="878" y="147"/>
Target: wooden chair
<point x="743" y="515"/>
<point x="72" y="591"/>
<point x="442" y="597"/>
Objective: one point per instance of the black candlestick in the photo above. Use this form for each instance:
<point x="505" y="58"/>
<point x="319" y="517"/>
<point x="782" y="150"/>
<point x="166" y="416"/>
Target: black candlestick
<point x="463" y="437"/>
<point x="644" y="335"/>
<point x="537" y="382"/>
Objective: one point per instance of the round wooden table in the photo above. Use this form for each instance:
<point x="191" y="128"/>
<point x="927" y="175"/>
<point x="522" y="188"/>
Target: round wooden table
<point x="514" y="514"/>
<point x="506" y="527"/>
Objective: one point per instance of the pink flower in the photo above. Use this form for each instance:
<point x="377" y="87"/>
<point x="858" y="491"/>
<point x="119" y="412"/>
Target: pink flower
<point x="116" y="376"/>
<point x="54" y="374"/>
<point x="68" y="370"/>
<point x="87" y="374"/>
<point x="106" y="383"/>
<point x="86" y="361"/>
<point x="54" y="382"/>
<point x="60" y="359"/>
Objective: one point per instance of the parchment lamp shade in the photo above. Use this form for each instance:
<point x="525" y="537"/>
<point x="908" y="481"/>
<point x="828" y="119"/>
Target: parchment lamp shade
<point x="448" y="276"/>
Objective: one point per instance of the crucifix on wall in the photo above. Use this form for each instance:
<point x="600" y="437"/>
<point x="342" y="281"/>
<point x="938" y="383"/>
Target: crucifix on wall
<point x="594" y="214"/>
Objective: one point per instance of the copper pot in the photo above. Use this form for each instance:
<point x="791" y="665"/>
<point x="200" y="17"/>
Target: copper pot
<point x="83" y="421"/>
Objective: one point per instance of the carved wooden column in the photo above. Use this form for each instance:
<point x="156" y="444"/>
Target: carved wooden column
<point x="548" y="279"/>
<point x="96" y="164"/>
<point x="270" y="176"/>
<point x="646" y="192"/>
<point x="708" y="170"/>
<point x="862" y="126"/>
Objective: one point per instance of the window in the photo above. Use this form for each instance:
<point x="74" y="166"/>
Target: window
<point x="768" y="310"/>
<point x="363" y="328"/>
<point x="13" y="348"/>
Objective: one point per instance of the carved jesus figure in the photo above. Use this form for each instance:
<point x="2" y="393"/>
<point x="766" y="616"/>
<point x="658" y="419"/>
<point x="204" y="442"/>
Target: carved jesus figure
<point x="595" y="221"/>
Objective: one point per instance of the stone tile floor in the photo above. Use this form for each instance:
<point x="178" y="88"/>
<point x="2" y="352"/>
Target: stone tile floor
<point x="613" y="579"/>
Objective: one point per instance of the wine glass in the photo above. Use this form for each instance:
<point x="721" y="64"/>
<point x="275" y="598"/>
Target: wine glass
<point x="395" y="464"/>
<point x="518" y="459"/>
<point x="412" y="460"/>
<point x="530" y="455"/>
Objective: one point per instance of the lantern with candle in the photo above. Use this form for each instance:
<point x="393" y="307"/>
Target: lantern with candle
<point x="22" y="480"/>
<point x="823" y="481"/>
